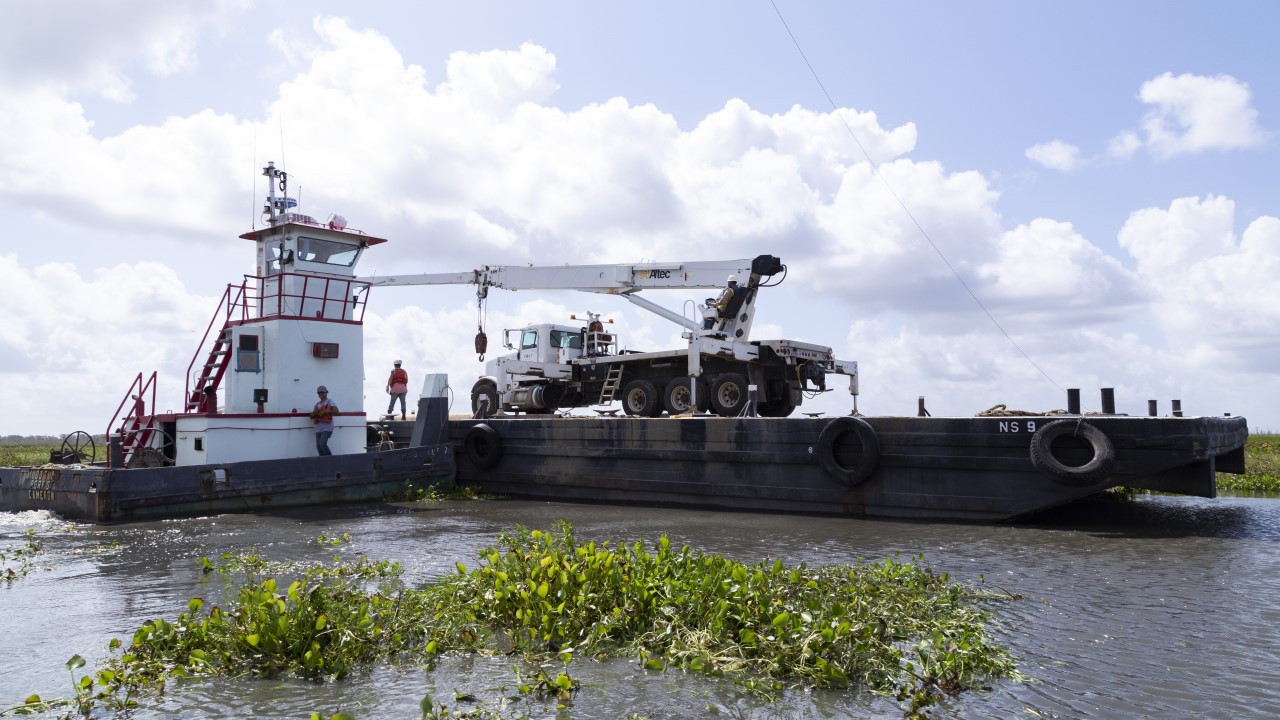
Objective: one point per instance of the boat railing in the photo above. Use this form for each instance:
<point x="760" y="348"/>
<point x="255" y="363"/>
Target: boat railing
<point x="307" y="297"/>
<point x="135" y="429"/>
<point x="233" y="306"/>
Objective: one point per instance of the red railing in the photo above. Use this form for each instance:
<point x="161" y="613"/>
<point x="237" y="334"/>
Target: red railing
<point x="318" y="297"/>
<point x="134" y="431"/>
<point x="234" y="301"/>
<point x="280" y="295"/>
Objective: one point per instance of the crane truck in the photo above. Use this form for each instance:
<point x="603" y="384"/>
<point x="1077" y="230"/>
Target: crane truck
<point x="556" y="366"/>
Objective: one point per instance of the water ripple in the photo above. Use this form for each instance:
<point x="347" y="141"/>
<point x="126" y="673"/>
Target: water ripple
<point x="1151" y="608"/>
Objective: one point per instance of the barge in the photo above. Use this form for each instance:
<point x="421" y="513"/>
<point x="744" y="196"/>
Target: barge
<point x="247" y="438"/>
<point x="977" y="469"/>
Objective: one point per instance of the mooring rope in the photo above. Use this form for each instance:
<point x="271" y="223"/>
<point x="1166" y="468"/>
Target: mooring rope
<point x="1002" y="411"/>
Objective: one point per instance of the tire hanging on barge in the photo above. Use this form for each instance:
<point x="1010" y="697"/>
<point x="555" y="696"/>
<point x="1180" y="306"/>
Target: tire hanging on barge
<point x="1095" y="470"/>
<point x="868" y="456"/>
<point x="482" y="446"/>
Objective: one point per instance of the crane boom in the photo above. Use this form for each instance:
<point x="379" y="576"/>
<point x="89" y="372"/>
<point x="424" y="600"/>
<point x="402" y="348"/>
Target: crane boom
<point x="621" y="279"/>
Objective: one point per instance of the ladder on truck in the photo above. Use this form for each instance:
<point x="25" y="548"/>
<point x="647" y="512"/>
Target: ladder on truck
<point x="611" y="383"/>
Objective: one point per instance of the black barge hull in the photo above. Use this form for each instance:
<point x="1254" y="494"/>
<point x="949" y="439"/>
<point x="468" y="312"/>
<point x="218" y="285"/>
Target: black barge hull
<point x="103" y="495"/>
<point x="931" y="468"/>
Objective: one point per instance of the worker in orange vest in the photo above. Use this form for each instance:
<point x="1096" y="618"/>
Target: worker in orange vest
<point x="322" y="414"/>
<point x="397" y="387"/>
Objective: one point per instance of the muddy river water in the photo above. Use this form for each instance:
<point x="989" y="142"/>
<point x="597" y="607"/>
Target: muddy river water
<point x="1156" y="608"/>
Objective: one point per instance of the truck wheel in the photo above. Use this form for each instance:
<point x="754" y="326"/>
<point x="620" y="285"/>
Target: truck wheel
<point x="640" y="398"/>
<point x="729" y="394"/>
<point x="484" y="390"/>
<point x="676" y="397"/>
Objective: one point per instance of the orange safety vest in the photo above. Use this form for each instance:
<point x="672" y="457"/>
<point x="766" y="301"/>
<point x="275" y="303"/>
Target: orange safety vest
<point x="324" y="413"/>
<point x="399" y="375"/>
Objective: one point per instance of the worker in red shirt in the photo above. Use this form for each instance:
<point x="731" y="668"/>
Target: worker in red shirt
<point x="397" y="387"/>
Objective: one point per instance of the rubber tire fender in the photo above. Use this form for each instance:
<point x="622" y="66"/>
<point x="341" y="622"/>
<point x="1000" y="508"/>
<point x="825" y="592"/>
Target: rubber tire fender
<point x="870" y="450"/>
<point x="1092" y="472"/>
<point x="482" y="446"/>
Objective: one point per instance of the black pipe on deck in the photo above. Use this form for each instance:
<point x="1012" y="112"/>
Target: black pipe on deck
<point x="1108" y="401"/>
<point x="1073" y="401"/>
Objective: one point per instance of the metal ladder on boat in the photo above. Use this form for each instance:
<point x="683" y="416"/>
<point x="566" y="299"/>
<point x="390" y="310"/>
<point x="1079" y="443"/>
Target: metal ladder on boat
<point x="611" y="383"/>
<point x="214" y="367"/>
<point x="233" y="309"/>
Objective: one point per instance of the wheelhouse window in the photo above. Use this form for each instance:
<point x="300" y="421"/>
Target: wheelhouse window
<point x="328" y="252"/>
<point x="277" y="258"/>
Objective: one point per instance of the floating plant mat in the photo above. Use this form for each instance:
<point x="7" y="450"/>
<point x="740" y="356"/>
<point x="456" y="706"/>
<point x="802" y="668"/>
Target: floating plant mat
<point x="886" y="627"/>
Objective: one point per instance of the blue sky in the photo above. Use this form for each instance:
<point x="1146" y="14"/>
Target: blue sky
<point x="1102" y="175"/>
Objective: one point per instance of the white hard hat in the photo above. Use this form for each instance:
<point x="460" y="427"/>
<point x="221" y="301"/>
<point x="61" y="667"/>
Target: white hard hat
<point x="732" y="279"/>
<point x="397" y="362"/>
<point x="322" y="389"/>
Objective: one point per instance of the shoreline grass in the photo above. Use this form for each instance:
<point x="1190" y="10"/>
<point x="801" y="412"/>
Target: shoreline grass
<point x="1262" y="461"/>
<point x="26" y="455"/>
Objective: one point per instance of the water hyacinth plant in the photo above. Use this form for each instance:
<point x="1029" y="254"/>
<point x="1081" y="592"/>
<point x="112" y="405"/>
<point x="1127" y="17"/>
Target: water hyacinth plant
<point x="17" y="562"/>
<point x="888" y="627"/>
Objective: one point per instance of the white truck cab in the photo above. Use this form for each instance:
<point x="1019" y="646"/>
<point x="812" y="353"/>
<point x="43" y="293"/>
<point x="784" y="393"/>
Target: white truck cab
<point x="545" y="343"/>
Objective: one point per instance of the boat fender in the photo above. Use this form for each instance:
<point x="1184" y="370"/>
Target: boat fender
<point x="482" y="446"/>
<point x="867" y="461"/>
<point x="1097" y="469"/>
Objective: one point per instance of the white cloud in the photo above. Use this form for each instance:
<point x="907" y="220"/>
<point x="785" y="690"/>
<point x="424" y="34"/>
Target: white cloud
<point x="477" y="166"/>
<point x="1124" y="145"/>
<point x="1190" y="231"/>
<point x="1209" y="287"/>
<point x="1046" y="266"/>
<point x="98" y="43"/>
<point x="73" y="342"/>
<point x="1055" y="155"/>
<point x="1194" y="113"/>
<point x="1191" y="114"/>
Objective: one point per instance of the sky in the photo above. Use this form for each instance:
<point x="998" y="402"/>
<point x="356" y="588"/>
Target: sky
<point x="982" y="203"/>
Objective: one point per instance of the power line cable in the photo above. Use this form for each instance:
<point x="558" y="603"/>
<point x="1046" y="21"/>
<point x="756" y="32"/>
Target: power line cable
<point x="875" y="167"/>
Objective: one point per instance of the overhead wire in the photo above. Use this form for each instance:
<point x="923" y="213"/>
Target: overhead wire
<point x="875" y="167"/>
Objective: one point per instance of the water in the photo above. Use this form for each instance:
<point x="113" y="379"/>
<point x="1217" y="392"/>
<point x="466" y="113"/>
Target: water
<point x="1159" y="608"/>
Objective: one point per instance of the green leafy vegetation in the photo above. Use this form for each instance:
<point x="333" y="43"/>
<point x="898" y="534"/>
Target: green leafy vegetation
<point x="334" y="541"/>
<point x="887" y="627"/>
<point x="1262" y="460"/>
<point x="17" y="562"/>
<point x="438" y="494"/>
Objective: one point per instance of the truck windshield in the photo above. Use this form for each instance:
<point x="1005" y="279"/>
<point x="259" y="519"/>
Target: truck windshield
<point x="563" y="339"/>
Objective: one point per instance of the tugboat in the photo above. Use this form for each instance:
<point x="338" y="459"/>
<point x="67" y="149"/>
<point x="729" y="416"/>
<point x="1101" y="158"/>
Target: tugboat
<point x="245" y="439"/>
